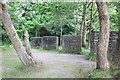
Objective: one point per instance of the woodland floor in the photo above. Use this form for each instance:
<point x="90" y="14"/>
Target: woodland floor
<point x="50" y="64"/>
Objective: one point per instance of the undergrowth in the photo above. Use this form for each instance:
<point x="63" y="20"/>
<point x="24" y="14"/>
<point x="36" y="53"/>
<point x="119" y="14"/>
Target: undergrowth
<point x="60" y="50"/>
<point x="84" y="51"/>
<point x="109" y="73"/>
<point x="91" y="57"/>
<point x="70" y="52"/>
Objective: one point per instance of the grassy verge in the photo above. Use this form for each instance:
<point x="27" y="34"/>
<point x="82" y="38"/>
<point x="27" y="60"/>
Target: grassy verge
<point x="110" y="73"/>
<point x="41" y="49"/>
<point x="84" y="51"/>
<point x="92" y="57"/>
<point x="59" y="50"/>
<point x="11" y="63"/>
<point x="6" y="47"/>
<point x="70" y="52"/>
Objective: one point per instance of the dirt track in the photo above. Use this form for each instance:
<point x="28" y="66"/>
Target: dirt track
<point x="59" y="65"/>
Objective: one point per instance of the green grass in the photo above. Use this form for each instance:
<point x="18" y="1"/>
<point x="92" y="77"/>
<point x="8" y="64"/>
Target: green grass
<point x="11" y="62"/>
<point x="13" y="67"/>
<point x="91" y="57"/>
<point x="9" y="57"/>
<point x="109" y="73"/>
<point x="85" y="50"/>
<point x="16" y="71"/>
<point x="59" y="50"/>
<point x="99" y="74"/>
<point x="41" y="49"/>
<point x="6" y="47"/>
<point x="70" y="52"/>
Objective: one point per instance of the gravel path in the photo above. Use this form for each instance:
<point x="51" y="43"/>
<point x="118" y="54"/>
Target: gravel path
<point x="57" y="65"/>
<point x="0" y="68"/>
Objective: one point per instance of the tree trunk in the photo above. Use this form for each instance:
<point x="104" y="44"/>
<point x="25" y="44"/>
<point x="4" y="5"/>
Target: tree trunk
<point x="116" y="58"/>
<point x="102" y="48"/>
<point x="81" y="29"/>
<point x="12" y="34"/>
<point x="90" y="27"/>
<point x="27" y="43"/>
<point x="36" y="33"/>
<point x="83" y="19"/>
<point x="84" y="35"/>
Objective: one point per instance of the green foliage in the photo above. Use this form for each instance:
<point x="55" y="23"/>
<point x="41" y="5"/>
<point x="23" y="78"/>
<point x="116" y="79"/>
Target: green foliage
<point x="91" y="57"/>
<point x="41" y="49"/>
<point x="85" y="50"/>
<point x="61" y="51"/>
<point x="110" y="58"/>
<point x="82" y="53"/>
<point x="116" y="73"/>
<point x="114" y="15"/>
<point x="18" y="69"/>
<point x="96" y="73"/>
<point x="109" y="73"/>
<point x="6" y="47"/>
<point x="70" y="52"/>
<point x="59" y="18"/>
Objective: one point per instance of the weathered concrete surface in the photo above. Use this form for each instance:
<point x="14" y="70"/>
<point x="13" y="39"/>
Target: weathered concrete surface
<point x="112" y="42"/>
<point x="49" y="42"/>
<point x="36" y="41"/>
<point x="71" y="43"/>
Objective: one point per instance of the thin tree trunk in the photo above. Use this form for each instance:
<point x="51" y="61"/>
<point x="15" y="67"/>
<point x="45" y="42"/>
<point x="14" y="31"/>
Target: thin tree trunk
<point x="83" y="19"/>
<point x="12" y="34"/>
<point x="90" y="27"/>
<point x="84" y="35"/>
<point x="36" y="33"/>
<point x="61" y="36"/>
<point x="27" y="43"/>
<point x="102" y="48"/>
<point x="85" y="26"/>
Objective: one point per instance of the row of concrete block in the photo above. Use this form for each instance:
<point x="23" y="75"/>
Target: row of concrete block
<point x="69" y="42"/>
<point x="72" y="42"/>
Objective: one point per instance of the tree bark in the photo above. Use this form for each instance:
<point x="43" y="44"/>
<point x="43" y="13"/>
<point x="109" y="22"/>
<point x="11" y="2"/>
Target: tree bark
<point x="83" y="20"/>
<point x="27" y="43"/>
<point x="61" y="36"/>
<point x="90" y="27"/>
<point x="84" y="35"/>
<point x="12" y="34"/>
<point x="102" y="48"/>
